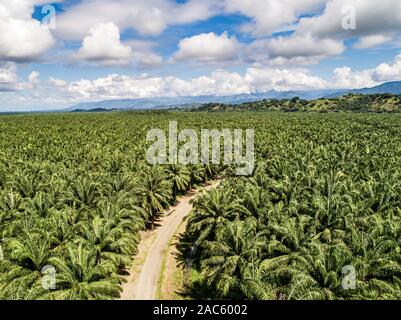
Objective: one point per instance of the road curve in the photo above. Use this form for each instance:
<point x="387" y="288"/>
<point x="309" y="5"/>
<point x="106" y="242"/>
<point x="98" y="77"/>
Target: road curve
<point x="145" y="286"/>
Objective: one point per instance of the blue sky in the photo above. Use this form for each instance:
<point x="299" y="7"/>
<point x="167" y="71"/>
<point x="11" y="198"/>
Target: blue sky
<point x="101" y="49"/>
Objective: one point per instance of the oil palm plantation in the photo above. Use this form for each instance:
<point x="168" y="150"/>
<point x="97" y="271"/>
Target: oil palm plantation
<point x="76" y="191"/>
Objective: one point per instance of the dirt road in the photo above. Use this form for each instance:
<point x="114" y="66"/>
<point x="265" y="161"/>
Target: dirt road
<point x="144" y="286"/>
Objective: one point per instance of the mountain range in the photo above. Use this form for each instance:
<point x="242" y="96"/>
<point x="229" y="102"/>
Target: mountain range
<point x="194" y="101"/>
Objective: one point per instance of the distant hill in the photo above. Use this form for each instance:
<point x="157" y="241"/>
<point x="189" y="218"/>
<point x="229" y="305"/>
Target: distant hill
<point x="92" y="110"/>
<point x="388" y="87"/>
<point x="194" y="101"/>
<point x="186" y="101"/>
<point x="352" y="102"/>
<point x="164" y="102"/>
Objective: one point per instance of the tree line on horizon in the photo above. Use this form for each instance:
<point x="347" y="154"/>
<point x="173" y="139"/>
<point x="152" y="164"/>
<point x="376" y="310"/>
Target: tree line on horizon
<point x="373" y="103"/>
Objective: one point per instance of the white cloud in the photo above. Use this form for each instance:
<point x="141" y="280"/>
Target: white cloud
<point x="270" y="15"/>
<point x="372" y="41"/>
<point x="143" y="54"/>
<point x="8" y="73"/>
<point x="148" y="17"/>
<point x="57" y="82"/>
<point x="388" y="71"/>
<point x="372" y="19"/>
<point x="303" y="46"/>
<point x="58" y="92"/>
<point x="150" y="60"/>
<point x="282" y="80"/>
<point x="345" y="77"/>
<point x="9" y="80"/>
<point x="319" y="36"/>
<point x="208" y="47"/>
<point x="219" y="82"/>
<point x="34" y="77"/>
<point x="21" y="37"/>
<point x="103" y="45"/>
<point x="317" y="24"/>
<point x="152" y="17"/>
<point x="296" y="49"/>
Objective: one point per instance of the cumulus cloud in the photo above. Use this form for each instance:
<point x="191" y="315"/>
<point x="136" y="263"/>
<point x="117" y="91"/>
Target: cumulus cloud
<point x="57" y="92"/>
<point x="282" y="36"/>
<point x="143" y="54"/>
<point x="103" y="45"/>
<point x="313" y="20"/>
<point x="303" y="46"/>
<point x="388" y="71"/>
<point x="297" y="49"/>
<point x="372" y="19"/>
<point x="8" y="73"/>
<point x="57" y="82"/>
<point x="222" y="82"/>
<point x="34" y="77"/>
<point x="317" y="25"/>
<point x="150" y="60"/>
<point x="270" y="15"/>
<point x="372" y="41"/>
<point x="152" y="17"/>
<point x="148" y="17"/>
<point x="282" y="80"/>
<point x="345" y="77"/>
<point x="8" y="76"/>
<point x="318" y="36"/>
<point x="21" y="37"/>
<point x="9" y="80"/>
<point x="219" y="82"/>
<point x="208" y="47"/>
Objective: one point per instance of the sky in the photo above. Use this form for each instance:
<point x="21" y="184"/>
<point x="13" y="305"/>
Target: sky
<point x="54" y="54"/>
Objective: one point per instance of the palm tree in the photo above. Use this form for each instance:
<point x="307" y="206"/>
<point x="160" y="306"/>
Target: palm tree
<point x="81" y="276"/>
<point x="180" y="178"/>
<point x="84" y="192"/>
<point x="258" y="284"/>
<point x="233" y="253"/>
<point x="211" y="210"/>
<point x="31" y="250"/>
<point x="317" y="274"/>
<point x="153" y="192"/>
<point x="24" y="259"/>
<point x="110" y="241"/>
<point x="197" y="174"/>
<point x="16" y="282"/>
<point x="64" y="226"/>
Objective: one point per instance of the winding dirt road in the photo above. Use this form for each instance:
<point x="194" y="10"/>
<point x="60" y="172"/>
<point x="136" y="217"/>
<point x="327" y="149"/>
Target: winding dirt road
<point x="144" y="286"/>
